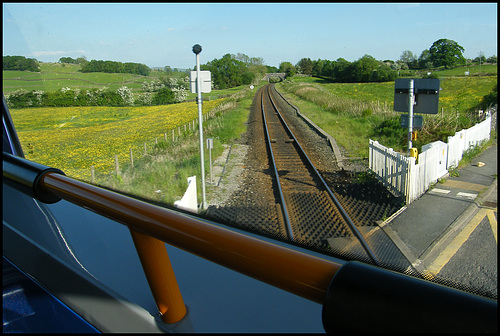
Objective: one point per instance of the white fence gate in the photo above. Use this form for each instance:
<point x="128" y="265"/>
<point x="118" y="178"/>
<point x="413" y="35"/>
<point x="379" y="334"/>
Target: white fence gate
<point x="405" y="178"/>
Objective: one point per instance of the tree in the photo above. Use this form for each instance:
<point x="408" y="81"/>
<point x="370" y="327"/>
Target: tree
<point x="318" y="67"/>
<point x="287" y="68"/>
<point x="407" y="57"/>
<point x="341" y="70"/>
<point x="115" y="67"/>
<point x="229" y="72"/>
<point x="81" y="60"/>
<point x="424" y="61"/>
<point x="491" y="59"/>
<point x="480" y="59"/>
<point x="257" y="61"/>
<point x="20" y="63"/>
<point x="163" y="96"/>
<point x="361" y="70"/>
<point x="447" y="53"/>
<point x="271" y="69"/>
<point x="67" y="60"/>
<point x="305" y="65"/>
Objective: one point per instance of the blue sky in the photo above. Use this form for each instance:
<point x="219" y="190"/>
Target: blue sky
<point x="159" y="34"/>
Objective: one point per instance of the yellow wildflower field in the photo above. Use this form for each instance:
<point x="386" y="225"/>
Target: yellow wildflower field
<point x="75" y="138"/>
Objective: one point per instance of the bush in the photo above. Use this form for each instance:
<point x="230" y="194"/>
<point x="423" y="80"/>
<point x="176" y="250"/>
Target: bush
<point x="367" y="112"/>
<point x="490" y="99"/>
<point x="432" y="75"/>
<point x="390" y="132"/>
<point x="163" y="96"/>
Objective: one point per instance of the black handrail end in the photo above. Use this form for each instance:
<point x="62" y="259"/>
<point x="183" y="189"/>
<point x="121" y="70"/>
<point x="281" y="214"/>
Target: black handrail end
<point x="25" y="176"/>
<point x="366" y="298"/>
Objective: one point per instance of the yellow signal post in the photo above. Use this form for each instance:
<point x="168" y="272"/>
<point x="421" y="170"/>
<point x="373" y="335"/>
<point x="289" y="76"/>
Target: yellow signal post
<point x="414" y="153"/>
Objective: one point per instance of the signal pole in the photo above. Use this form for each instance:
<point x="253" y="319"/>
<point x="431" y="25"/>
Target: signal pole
<point x="197" y="51"/>
<point x="410" y="114"/>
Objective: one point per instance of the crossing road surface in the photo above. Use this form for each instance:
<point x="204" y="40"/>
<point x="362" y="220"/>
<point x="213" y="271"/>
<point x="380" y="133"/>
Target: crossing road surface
<point x="465" y="251"/>
<point x="471" y="257"/>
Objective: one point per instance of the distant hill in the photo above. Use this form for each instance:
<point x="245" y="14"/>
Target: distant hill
<point x="54" y="76"/>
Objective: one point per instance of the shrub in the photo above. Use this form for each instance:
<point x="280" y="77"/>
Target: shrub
<point x="163" y="96"/>
<point x="367" y="112"/>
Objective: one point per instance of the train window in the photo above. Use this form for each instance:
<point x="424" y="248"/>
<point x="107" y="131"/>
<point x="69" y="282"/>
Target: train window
<point x="104" y="93"/>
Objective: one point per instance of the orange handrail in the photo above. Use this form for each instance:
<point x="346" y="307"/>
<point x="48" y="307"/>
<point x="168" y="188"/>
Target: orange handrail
<point x="290" y="270"/>
<point x="160" y="275"/>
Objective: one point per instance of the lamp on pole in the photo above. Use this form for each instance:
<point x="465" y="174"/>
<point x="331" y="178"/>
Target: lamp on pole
<point x="197" y="51"/>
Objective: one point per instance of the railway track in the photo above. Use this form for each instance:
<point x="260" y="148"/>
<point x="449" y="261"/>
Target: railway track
<point x="310" y="210"/>
<point x="285" y="196"/>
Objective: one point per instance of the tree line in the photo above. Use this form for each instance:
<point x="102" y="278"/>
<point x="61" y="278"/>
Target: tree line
<point x="235" y="70"/>
<point x="365" y="69"/>
<point x="443" y="53"/>
<point x="115" y="67"/>
<point x="20" y="63"/>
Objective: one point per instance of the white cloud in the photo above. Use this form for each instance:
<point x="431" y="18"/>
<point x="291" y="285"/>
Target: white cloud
<point x="57" y="52"/>
<point x="48" y="53"/>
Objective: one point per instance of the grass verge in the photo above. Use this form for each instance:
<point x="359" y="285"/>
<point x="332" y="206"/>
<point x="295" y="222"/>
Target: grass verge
<point x="162" y="174"/>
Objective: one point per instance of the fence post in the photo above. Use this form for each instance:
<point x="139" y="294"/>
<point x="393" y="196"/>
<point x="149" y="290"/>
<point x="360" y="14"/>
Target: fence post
<point x="145" y="149"/>
<point x="92" y="174"/>
<point x="117" y="167"/>
<point x="131" y="158"/>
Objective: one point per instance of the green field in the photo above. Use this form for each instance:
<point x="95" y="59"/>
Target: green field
<point x="76" y="138"/>
<point x="474" y="70"/>
<point x="54" y="76"/>
<point x="353" y="113"/>
<point x="469" y="90"/>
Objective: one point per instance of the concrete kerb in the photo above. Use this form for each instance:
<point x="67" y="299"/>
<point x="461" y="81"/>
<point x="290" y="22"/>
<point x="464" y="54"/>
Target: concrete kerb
<point x="484" y="195"/>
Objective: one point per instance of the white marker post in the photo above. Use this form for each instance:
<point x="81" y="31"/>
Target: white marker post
<point x="410" y="115"/>
<point x="210" y="145"/>
<point x="197" y="50"/>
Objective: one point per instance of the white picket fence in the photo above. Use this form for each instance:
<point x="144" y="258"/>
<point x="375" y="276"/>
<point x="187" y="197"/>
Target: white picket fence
<point x="405" y="178"/>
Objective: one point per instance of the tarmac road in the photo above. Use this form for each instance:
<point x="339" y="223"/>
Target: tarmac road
<point x="451" y="231"/>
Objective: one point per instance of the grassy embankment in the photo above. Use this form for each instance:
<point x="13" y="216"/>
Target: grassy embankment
<point x="163" y="175"/>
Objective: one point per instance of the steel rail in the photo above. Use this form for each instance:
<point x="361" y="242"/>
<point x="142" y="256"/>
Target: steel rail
<point x="344" y="214"/>
<point x="298" y="273"/>
<point x="286" y="217"/>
